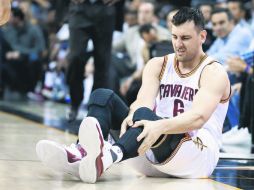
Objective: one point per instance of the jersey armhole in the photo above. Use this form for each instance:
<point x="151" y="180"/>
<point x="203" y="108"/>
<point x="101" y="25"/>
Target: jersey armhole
<point x="222" y="100"/>
<point x="163" y="68"/>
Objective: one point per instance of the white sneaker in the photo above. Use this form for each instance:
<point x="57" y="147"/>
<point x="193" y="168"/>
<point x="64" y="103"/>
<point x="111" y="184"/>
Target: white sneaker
<point x="90" y="137"/>
<point x="230" y="133"/>
<point x="62" y="158"/>
<point x="241" y="136"/>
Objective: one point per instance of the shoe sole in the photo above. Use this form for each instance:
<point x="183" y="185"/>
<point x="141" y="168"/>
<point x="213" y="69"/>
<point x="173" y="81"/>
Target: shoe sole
<point x="91" y="139"/>
<point x="55" y="157"/>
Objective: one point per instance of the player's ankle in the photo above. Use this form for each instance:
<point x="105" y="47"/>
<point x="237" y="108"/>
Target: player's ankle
<point x="116" y="153"/>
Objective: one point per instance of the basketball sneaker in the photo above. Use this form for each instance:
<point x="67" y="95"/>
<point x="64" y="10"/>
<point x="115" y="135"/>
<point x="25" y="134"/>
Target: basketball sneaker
<point x="98" y="157"/>
<point x="61" y="158"/>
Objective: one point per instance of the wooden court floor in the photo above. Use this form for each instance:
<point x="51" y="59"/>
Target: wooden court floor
<point x="20" y="169"/>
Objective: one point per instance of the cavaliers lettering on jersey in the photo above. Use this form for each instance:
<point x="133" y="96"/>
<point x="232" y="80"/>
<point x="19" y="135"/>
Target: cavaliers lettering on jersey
<point x="177" y="92"/>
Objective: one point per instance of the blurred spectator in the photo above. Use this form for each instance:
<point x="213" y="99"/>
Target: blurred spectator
<point x="238" y="11"/>
<point x="5" y="6"/>
<point x="196" y="3"/>
<point x="228" y="42"/>
<point x="155" y="46"/>
<point x="90" y="19"/>
<point x="130" y="18"/>
<point x="243" y="66"/>
<point x="252" y="17"/>
<point x="5" y="10"/>
<point x="207" y="9"/>
<point x="170" y="17"/>
<point x="23" y="60"/>
<point x="221" y="4"/>
<point x="127" y="53"/>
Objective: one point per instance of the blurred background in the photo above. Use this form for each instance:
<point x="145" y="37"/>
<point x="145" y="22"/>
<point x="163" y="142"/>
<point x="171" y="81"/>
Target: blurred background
<point x="53" y="53"/>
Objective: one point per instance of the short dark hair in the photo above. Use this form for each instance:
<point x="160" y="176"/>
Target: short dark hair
<point x="17" y="12"/>
<point x="187" y="14"/>
<point x="146" y="28"/>
<point x="223" y="10"/>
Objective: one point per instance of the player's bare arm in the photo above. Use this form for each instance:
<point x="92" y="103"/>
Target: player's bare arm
<point x="215" y="86"/>
<point x="148" y="91"/>
<point x="5" y="11"/>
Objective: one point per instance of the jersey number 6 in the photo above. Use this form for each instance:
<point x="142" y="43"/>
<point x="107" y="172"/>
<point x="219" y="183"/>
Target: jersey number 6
<point x="178" y="107"/>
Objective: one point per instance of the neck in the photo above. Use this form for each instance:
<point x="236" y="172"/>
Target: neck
<point x="189" y="65"/>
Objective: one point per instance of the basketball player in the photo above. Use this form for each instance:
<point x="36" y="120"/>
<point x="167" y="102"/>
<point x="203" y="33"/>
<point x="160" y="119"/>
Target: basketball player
<point x="5" y="11"/>
<point x="177" y="135"/>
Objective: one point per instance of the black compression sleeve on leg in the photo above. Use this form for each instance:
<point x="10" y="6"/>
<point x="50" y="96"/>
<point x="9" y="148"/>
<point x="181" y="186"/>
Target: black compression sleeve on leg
<point x="129" y="144"/>
<point x="168" y="146"/>
<point x="108" y="109"/>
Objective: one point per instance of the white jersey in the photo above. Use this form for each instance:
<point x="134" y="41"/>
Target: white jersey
<point x="178" y="90"/>
<point x="194" y="157"/>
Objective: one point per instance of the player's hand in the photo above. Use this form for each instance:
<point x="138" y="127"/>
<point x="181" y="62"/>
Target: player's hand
<point x="110" y="2"/>
<point x="150" y="134"/>
<point x="127" y="122"/>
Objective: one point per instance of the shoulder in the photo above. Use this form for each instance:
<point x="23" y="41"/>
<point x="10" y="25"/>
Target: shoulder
<point x="154" y="66"/>
<point x="215" y="67"/>
<point x="214" y="73"/>
<point x="214" y="45"/>
<point x="245" y="33"/>
<point x="156" y="61"/>
<point x="217" y="41"/>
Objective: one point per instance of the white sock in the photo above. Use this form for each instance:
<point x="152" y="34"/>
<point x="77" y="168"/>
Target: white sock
<point x="111" y="155"/>
<point x="116" y="151"/>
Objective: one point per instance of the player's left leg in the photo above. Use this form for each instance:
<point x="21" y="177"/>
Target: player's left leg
<point x="61" y="158"/>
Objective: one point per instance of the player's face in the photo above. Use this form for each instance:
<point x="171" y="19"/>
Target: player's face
<point x="5" y="10"/>
<point x="187" y="41"/>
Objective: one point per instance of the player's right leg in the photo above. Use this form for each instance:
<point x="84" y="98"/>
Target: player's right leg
<point x="100" y="157"/>
<point x="108" y="109"/>
<point x="105" y="111"/>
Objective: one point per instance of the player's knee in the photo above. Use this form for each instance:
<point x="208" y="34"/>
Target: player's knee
<point x="100" y="97"/>
<point x="141" y="113"/>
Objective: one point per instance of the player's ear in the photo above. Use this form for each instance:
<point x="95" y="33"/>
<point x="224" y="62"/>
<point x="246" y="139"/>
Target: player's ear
<point x="203" y="34"/>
